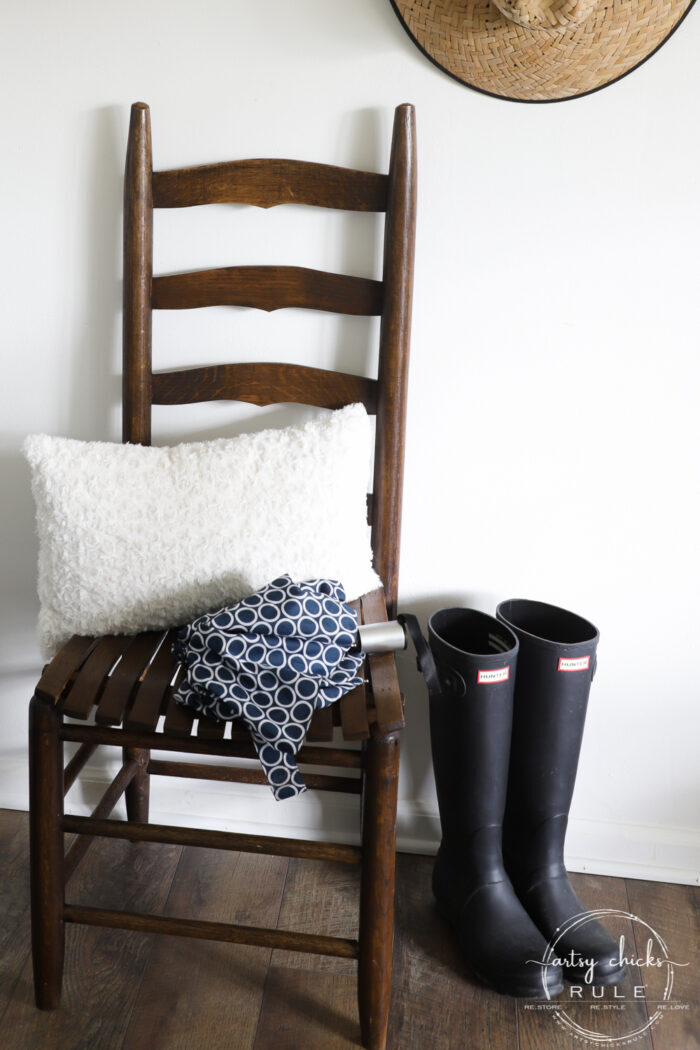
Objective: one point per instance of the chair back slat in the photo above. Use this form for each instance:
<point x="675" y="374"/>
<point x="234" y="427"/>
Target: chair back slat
<point x="266" y="183"/>
<point x="268" y="288"/>
<point x="264" y="384"/>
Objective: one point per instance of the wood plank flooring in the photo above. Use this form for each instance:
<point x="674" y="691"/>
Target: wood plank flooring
<point x="124" y="991"/>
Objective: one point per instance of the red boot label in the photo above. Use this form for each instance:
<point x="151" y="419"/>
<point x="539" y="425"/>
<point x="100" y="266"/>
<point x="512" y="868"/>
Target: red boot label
<point x="574" y="663"/>
<point x="499" y="674"/>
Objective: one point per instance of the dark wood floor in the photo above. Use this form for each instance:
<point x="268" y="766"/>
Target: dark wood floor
<point x="123" y="990"/>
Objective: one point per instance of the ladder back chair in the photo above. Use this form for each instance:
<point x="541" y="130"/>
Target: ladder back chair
<point x="117" y="677"/>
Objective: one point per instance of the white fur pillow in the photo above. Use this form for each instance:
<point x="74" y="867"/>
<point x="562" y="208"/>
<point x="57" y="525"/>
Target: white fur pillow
<point x="133" y="538"/>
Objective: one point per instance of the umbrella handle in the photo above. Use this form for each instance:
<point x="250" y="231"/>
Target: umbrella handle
<point x="383" y="637"/>
<point x="388" y="637"/>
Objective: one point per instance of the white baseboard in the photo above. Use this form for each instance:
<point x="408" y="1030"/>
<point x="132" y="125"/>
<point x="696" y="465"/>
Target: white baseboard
<point x="638" y="851"/>
<point x="597" y="847"/>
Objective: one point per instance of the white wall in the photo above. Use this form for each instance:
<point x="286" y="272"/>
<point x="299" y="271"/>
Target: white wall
<point x="552" y="424"/>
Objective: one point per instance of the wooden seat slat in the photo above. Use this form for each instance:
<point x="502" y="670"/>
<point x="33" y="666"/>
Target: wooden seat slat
<point x="127" y="674"/>
<point x="321" y="727"/>
<point x="353" y="714"/>
<point x="210" y="729"/>
<point x="151" y="691"/>
<point x="58" y="673"/>
<point x="239" y="732"/>
<point x="90" y="680"/>
<point x="178" y="719"/>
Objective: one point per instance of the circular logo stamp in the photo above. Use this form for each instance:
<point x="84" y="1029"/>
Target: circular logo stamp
<point x="617" y="1014"/>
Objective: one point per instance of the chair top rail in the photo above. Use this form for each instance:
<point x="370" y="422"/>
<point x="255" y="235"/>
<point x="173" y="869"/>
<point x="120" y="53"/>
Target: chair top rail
<point x="266" y="183"/>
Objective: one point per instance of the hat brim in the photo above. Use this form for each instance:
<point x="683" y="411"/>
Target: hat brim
<point x="478" y="46"/>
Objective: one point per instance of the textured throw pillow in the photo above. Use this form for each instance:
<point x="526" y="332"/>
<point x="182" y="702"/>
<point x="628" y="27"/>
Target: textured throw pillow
<point x="133" y="538"/>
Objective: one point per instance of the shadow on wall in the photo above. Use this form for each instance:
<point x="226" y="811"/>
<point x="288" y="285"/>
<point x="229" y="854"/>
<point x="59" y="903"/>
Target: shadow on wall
<point x="363" y="142"/>
<point x="18" y="551"/>
<point x="95" y="383"/>
<point x="93" y="387"/>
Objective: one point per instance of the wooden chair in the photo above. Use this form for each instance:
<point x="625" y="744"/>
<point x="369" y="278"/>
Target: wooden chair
<point x="129" y="696"/>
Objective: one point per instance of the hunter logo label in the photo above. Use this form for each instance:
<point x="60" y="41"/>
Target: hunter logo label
<point x="574" y="663"/>
<point x="499" y="674"/>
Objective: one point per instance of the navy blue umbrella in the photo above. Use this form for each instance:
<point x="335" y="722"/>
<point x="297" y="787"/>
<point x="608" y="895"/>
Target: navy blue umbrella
<point x="271" y="660"/>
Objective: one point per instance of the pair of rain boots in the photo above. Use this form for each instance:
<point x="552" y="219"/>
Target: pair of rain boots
<point x="508" y="698"/>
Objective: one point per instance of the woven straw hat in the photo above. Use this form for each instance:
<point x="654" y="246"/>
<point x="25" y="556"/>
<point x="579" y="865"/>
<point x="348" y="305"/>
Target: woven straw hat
<point x="539" y="50"/>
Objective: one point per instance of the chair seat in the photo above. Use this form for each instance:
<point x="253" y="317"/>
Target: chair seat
<point x="129" y="682"/>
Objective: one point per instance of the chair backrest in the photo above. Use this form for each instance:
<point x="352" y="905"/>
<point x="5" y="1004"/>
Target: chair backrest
<point x="266" y="183"/>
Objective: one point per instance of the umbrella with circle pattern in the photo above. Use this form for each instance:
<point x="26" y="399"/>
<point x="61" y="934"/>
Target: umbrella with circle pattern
<point x="271" y="660"/>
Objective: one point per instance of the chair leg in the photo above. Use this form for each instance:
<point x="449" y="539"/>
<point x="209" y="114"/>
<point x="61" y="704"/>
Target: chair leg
<point x="377" y="887"/>
<point x="46" y="850"/>
<point x="138" y="791"/>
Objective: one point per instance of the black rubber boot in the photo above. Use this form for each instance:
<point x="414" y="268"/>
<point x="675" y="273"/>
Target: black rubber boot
<point x="556" y="664"/>
<point x="470" y="723"/>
